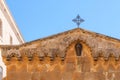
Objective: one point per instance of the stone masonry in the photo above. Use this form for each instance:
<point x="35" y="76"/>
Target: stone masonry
<point x="54" y="58"/>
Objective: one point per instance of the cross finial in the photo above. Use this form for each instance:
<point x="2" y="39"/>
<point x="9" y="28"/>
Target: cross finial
<point x="78" y="20"/>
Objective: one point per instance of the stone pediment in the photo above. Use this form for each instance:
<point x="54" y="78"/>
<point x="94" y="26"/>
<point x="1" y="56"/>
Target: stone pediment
<point x="56" y="45"/>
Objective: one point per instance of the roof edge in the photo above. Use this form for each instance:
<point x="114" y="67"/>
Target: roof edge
<point x="11" y="21"/>
<point x="83" y="30"/>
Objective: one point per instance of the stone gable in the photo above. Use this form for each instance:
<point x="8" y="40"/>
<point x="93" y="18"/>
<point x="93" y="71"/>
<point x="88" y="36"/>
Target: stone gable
<point x="56" y="57"/>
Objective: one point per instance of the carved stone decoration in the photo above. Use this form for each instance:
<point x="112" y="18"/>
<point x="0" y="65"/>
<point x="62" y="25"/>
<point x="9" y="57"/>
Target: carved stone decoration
<point x="107" y="53"/>
<point x="41" y="58"/>
<point x="117" y="54"/>
<point x="59" y="50"/>
<point x="12" y="53"/>
<point x="53" y="52"/>
<point x="30" y="53"/>
<point x="44" y="51"/>
<point x="62" y="58"/>
<point x="51" y="55"/>
<point x="96" y="53"/>
<point x="62" y="55"/>
<point x="8" y="58"/>
<point x="40" y="54"/>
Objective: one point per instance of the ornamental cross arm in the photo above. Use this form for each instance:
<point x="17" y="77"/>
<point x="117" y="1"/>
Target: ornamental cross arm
<point x="78" y="20"/>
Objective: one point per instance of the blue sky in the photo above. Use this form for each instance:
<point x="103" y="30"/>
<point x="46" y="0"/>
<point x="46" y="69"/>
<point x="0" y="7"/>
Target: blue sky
<point x="41" y="18"/>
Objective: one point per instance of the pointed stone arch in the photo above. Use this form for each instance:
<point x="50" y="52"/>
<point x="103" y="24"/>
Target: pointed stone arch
<point x="78" y="56"/>
<point x="81" y="44"/>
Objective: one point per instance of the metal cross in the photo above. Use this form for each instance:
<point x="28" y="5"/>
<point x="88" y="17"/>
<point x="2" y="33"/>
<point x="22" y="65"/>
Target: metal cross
<point x="78" y="20"/>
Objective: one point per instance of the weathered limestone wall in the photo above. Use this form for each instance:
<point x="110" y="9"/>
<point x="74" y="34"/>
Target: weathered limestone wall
<point x="54" y="58"/>
<point x="73" y="67"/>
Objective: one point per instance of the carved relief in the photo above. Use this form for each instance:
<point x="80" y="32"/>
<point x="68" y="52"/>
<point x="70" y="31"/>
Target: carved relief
<point x="40" y="54"/>
<point x="30" y="53"/>
<point x="12" y="53"/>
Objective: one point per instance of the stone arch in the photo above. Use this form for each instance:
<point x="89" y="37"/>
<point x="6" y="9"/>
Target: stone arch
<point x="83" y="62"/>
<point x="76" y="42"/>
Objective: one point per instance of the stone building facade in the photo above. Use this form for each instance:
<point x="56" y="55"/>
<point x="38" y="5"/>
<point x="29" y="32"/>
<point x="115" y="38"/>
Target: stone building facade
<point x="77" y="54"/>
<point x="9" y="32"/>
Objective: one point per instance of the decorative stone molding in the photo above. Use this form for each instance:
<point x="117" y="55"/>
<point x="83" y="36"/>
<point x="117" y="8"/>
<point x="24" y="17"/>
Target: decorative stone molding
<point x="12" y="53"/>
<point x="55" y="58"/>
<point x="40" y="54"/>
<point x="56" y="46"/>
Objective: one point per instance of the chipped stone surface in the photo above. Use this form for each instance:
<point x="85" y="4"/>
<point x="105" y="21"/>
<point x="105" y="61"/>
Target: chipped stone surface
<point x="54" y="58"/>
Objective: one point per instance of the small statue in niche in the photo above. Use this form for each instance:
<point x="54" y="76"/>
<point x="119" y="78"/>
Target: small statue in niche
<point x="78" y="48"/>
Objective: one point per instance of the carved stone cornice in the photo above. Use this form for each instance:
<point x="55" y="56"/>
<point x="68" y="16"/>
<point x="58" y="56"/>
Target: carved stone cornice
<point x="30" y="53"/>
<point x="57" y="45"/>
<point x="13" y="53"/>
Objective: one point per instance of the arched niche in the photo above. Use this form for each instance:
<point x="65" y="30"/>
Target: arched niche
<point x="78" y="56"/>
<point x="78" y="48"/>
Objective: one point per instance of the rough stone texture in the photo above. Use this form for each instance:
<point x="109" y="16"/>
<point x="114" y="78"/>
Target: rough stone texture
<point x="54" y="58"/>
